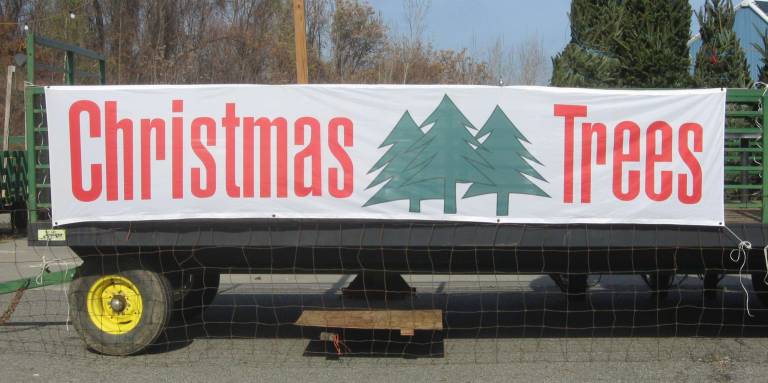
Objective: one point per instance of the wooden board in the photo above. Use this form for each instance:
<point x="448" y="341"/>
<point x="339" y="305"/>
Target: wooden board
<point x="404" y="320"/>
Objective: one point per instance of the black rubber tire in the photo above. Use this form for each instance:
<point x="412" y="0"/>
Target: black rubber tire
<point x="194" y="292"/>
<point x="156" y="301"/>
<point x="660" y="283"/>
<point x="577" y="285"/>
<point x="573" y="285"/>
<point x="711" y="280"/>
<point x="19" y="217"/>
<point x="761" y="289"/>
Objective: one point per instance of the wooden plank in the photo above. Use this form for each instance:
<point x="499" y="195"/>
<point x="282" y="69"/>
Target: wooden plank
<point x="405" y="320"/>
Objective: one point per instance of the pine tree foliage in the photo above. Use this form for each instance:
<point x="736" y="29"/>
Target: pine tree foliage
<point x="589" y="59"/>
<point x="720" y="61"/>
<point x="508" y="159"/>
<point x="447" y="153"/>
<point x="393" y="165"/>
<point x="762" y="48"/>
<point x="405" y="133"/>
<point x="653" y="47"/>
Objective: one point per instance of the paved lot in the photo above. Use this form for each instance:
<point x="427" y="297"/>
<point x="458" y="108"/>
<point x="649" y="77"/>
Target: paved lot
<point x="498" y="328"/>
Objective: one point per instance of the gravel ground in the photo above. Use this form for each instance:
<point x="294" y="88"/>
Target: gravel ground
<point x="498" y="328"/>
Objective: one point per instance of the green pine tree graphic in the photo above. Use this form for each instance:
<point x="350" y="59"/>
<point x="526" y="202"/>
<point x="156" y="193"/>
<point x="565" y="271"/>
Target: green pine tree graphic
<point x="509" y="162"/>
<point x="393" y="165"/>
<point x="445" y="156"/>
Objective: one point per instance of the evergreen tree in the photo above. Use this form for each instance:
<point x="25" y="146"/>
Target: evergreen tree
<point x="720" y="61"/>
<point x="446" y="154"/>
<point x="393" y="165"/>
<point x="652" y="49"/>
<point x="762" y="48"/>
<point x="405" y="133"/>
<point x="509" y="161"/>
<point x="589" y="59"/>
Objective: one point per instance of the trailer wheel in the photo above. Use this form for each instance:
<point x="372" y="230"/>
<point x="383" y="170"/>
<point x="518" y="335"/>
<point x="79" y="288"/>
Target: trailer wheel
<point x="120" y="313"/>
<point x="19" y="217"/>
<point x="196" y="291"/>
<point x="574" y="285"/>
<point x="711" y="280"/>
<point x="760" y="287"/>
<point x="659" y="283"/>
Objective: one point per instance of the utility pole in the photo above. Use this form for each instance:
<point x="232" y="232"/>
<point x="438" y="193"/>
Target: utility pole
<point x="299" y="31"/>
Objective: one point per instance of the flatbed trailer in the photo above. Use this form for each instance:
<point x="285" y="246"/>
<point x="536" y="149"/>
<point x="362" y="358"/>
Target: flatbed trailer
<point x="164" y="266"/>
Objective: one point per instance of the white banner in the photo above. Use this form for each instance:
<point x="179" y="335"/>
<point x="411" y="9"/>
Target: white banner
<point x="447" y="153"/>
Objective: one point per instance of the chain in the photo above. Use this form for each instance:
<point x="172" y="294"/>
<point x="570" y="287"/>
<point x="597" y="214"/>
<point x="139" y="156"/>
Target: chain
<point x="14" y="302"/>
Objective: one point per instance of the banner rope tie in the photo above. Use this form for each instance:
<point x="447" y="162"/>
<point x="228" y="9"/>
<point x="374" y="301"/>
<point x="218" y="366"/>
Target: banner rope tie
<point x="765" y="257"/>
<point x="45" y="268"/>
<point x="741" y="253"/>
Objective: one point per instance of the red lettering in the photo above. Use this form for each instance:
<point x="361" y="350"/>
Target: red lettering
<point x="570" y="112"/>
<point x="177" y="151"/>
<point x="76" y="154"/>
<point x="652" y="158"/>
<point x="312" y="150"/>
<point x="230" y="123"/>
<point x="198" y="190"/>
<point x="147" y="126"/>
<point x="342" y="156"/>
<point x="111" y="128"/>
<point x="265" y="156"/>
<point x="587" y="131"/>
<point x="248" y="156"/>
<point x="619" y="157"/>
<point x="690" y="161"/>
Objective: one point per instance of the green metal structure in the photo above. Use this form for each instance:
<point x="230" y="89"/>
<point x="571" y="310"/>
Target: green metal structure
<point x="38" y="169"/>
<point x="746" y="174"/>
<point x="24" y="174"/>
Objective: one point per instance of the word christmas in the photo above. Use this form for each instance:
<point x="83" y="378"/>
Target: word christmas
<point x="203" y="137"/>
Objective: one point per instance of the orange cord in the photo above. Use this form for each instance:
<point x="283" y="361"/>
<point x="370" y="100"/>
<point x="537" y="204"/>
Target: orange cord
<point x="338" y="345"/>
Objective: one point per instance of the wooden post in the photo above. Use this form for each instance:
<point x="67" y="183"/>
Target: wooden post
<point x="299" y="31"/>
<point x="7" y="117"/>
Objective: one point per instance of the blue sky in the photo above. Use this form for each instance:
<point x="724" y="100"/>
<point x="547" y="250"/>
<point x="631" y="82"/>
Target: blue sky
<point x="476" y="24"/>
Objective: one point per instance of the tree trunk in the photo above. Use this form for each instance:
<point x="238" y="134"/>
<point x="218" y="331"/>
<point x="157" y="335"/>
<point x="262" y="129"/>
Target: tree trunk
<point x="502" y="204"/>
<point x="449" y="203"/>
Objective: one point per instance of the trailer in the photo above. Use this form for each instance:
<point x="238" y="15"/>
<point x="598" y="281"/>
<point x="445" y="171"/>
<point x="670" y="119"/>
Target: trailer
<point x="147" y="259"/>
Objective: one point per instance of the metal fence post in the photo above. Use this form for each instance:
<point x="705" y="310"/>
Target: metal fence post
<point x="764" y="105"/>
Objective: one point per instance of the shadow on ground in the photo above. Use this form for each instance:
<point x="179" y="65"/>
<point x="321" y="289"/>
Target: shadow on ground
<point x="615" y="307"/>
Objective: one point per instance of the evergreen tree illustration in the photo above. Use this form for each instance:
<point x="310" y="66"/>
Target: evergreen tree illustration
<point x="446" y="154"/>
<point x="509" y="162"/>
<point x="393" y="165"/>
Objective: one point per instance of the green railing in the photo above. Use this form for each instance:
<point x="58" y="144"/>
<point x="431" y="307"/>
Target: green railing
<point x="745" y="151"/>
<point x="38" y="167"/>
<point x="13" y="179"/>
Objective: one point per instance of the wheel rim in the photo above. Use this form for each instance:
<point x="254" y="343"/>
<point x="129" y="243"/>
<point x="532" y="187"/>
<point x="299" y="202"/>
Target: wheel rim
<point x="114" y="304"/>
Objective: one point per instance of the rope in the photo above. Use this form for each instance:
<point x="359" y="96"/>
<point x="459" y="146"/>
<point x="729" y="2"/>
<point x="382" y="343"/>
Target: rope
<point x="741" y="253"/>
<point x="44" y="268"/>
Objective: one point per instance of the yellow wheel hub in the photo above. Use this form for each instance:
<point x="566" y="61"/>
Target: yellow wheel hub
<point x="114" y="304"/>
